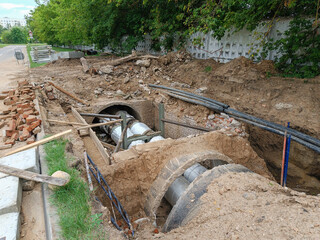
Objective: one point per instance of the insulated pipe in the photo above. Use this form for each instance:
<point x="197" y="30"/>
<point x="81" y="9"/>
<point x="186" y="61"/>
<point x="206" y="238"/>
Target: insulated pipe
<point x="116" y="134"/>
<point x="139" y="128"/>
<point x="194" y="171"/>
<point x="176" y="189"/>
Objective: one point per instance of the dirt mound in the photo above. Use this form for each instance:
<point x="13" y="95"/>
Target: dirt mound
<point x="266" y="66"/>
<point x="248" y="206"/>
<point x="64" y="63"/>
<point x="239" y="70"/>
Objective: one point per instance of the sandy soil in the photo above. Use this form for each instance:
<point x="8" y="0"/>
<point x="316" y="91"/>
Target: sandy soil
<point x="252" y="88"/>
<point x="248" y="206"/>
<point x="243" y="85"/>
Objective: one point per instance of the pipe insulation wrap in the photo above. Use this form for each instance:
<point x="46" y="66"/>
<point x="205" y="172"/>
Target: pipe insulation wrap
<point x="139" y="128"/>
<point x="156" y="138"/>
<point x="116" y="134"/>
<point x="176" y="189"/>
<point x="194" y="171"/>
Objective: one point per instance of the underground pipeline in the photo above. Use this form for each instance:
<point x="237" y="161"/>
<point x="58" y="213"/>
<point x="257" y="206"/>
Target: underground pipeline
<point x="276" y="126"/>
<point x="207" y="103"/>
<point x="190" y="94"/>
<point x="298" y="140"/>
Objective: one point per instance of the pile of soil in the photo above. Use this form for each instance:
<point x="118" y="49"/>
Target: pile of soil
<point x="248" y="206"/>
<point x="245" y="86"/>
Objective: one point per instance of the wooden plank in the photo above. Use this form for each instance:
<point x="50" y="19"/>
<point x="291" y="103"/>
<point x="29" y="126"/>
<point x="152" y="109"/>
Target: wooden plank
<point x="99" y="124"/>
<point x="35" y="144"/>
<point x="65" y="122"/>
<point x="69" y="94"/>
<point x="33" y="176"/>
<point x="106" y="157"/>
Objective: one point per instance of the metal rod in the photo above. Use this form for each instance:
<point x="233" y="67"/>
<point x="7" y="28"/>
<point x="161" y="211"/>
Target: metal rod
<point x="287" y="162"/>
<point x="187" y="125"/>
<point x="161" y="117"/>
<point x="283" y="157"/>
<point x="87" y="169"/>
<point x="100" y="115"/>
<point x="100" y="124"/>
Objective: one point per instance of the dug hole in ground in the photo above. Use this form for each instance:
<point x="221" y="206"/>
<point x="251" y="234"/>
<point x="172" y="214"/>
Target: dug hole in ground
<point x="235" y="205"/>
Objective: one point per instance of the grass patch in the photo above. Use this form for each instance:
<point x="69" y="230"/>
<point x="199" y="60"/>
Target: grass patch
<point x="33" y="64"/>
<point x="3" y="45"/>
<point x="208" y="69"/>
<point x="72" y="200"/>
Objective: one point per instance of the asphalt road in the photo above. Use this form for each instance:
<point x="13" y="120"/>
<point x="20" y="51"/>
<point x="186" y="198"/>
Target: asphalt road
<point x="7" y="53"/>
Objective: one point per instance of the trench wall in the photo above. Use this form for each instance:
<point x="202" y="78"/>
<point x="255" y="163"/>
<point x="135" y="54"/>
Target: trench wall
<point x="134" y="170"/>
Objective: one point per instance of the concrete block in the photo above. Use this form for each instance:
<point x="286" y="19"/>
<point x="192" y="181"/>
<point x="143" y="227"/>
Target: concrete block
<point x="76" y="54"/>
<point x="26" y="160"/>
<point x="10" y="195"/>
<point x="10" y="226"/>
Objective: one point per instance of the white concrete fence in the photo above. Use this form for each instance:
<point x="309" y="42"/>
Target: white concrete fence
<point x="233" y="45"/>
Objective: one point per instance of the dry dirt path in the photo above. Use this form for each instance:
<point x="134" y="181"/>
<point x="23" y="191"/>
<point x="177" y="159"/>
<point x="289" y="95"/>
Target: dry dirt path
<point x="33" y="226"/>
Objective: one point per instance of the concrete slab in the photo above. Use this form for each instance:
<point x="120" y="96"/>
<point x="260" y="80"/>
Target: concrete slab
<point x="26" y="160"/>
<point x="10" y="195"/>
<point x="10" y="226"/>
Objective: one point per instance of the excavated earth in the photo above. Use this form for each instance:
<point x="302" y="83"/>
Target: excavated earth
<point x="245" y="86"/>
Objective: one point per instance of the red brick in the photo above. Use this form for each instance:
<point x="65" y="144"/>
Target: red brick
<point x="27" y="113"/>
<point x="15" y="136"/>
<point x="25" y="135"/>
<point x="8" y="101"/>
<point x="10" y="141"/>
<point x="11" y="92"/>
<point x="25" y="105"/>
<point x="12" y="125"/>
<point x="21" y="127"/>
<point x="31" y="140"/>
<point x="33" y="125"/>
<point x="31" y="118"/>
<point x="10" y="133"/>
<point x="19" y="121"/>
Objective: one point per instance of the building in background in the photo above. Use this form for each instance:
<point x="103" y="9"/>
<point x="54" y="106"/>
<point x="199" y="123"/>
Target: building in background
<point x="11" y="22"/>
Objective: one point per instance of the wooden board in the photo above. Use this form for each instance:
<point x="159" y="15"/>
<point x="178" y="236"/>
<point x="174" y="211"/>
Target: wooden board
<point x="95" y="139"/>
<point x="33" y="176"/>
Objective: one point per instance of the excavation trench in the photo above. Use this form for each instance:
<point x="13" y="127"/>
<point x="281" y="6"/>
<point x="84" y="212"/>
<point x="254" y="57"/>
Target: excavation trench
<point x="134" y="174"/>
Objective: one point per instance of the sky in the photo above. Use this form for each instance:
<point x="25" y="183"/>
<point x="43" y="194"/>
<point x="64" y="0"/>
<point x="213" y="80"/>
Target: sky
<point x="16" y="8"/>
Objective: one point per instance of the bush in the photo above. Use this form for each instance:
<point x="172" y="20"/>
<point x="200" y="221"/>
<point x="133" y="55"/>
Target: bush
<point x="15" y="35"/>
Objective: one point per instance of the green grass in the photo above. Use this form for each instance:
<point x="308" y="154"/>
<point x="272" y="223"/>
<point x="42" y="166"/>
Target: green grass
<point x="72" y="200"/>
<point x="208" y="69"/>
<point x="3" y="45"/>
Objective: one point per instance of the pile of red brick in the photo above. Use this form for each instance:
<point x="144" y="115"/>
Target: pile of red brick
<point x="22" y="121"/>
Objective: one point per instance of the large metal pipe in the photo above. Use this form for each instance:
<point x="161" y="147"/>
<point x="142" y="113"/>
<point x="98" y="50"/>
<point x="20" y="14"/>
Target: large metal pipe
<point x="194" y="171"/>
<point x="176" y="189"/>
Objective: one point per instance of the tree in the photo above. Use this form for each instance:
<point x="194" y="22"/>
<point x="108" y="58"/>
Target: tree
<point x="15" y="35"/>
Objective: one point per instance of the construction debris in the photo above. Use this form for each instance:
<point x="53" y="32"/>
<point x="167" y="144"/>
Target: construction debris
<point x="22" y="116"/>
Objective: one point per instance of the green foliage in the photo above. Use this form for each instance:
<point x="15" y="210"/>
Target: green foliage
<point x="208" y="69"/>
<point x="121" y="24"/>
<point x="72" y="200"/>
<point x="15" y="35"/>
<point x="298" y="53"/>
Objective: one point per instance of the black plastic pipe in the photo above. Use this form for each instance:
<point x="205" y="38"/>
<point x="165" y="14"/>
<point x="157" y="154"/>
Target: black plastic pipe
<point x="291" y="131"/>
<point x="186" y="99"/>
<point x="190" y="94"/>
<point x="298" y="140"/>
